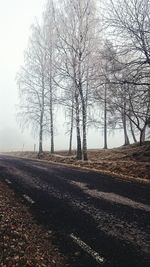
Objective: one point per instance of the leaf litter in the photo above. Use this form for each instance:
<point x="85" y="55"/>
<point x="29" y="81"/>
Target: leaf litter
<point x="23" y="242"/>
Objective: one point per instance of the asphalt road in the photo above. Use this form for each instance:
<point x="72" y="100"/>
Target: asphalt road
<point x="97" y="220"/>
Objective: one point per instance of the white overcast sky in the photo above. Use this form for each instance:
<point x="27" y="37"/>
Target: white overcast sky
<point x="16" y="16"/>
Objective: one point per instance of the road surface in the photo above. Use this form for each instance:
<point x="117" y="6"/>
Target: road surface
<point x="97" y="220"/>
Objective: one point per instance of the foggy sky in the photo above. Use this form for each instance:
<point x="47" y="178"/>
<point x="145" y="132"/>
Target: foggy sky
<point x="15" y="19"/>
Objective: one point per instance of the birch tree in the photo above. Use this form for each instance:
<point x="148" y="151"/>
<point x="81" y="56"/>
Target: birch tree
<point x="130" y="23"/>
<point x="77" y="35"/>
<point x="50" y="39"/>
<point x="32" y="85"/>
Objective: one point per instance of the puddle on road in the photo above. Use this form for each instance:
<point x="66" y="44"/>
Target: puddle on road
<point x="39" y="167"/>
<point x="111" y="197"/>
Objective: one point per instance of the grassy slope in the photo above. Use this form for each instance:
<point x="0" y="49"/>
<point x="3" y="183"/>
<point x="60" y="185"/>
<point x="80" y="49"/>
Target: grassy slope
<point x="131" y="161"/>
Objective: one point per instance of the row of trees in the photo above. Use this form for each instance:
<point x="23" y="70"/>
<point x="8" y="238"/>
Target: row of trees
<point x="93" y="60"/>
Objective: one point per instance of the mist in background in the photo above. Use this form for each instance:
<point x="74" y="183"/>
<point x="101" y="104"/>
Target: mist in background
<point x="16" y="18"/>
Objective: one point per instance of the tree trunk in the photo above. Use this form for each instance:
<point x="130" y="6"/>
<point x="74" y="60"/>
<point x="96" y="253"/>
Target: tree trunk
<point x="51" y="118"/>
<point x="84" y="111"/>
<point x="84" y="115"/>
<point x="141" y="138"/>
<point x="41" y="137"/>
<point x="126" y="138"/>
<point x="42" y="117"/>
<point x="71" y="128"/>
<point x="132" y="132"/>
<point x="105" y="120"/>
<point x="51" y="97"/>
<point x="124" y="121"/>
<point x="79" y="150"/>
<point x="84" y="122"/>
<point x="142" y="135"/>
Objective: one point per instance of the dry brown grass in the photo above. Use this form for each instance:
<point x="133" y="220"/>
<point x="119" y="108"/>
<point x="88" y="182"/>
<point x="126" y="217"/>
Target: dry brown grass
<point x="131" y="161"/>
<point x="23" y="242"/>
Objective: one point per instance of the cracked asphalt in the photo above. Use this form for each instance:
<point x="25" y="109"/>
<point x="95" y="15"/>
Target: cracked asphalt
<point x="110" y="215"/>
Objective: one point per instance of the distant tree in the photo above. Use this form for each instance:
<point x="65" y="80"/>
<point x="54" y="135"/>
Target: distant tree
<point x="129" y="21"/>
<point x="32" y="85"/>
<point x="105" y="92"/>
<point x="36" y="78"/>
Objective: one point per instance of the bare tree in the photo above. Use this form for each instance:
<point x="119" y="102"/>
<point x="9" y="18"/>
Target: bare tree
<point x="130" y="22"/>
<point x="32" y="85"/>
<point x="69" y="64"/>
<point x="50" y="39"/>
<point x="76" y="45"/>
<point x="103" y="88"/>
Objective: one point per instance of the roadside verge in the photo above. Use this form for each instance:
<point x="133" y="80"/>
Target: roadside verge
<point x="22" y="241"/>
